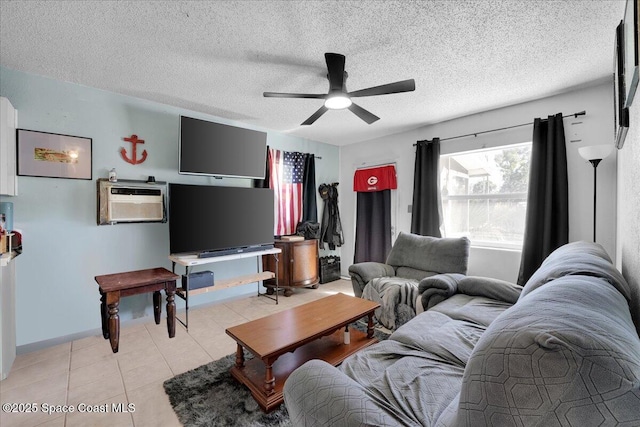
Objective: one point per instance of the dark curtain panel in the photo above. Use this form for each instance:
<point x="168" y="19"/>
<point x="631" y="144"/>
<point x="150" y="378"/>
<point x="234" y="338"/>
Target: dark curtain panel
<point x="373" y="226"/>
<point x="425" y="212"/>
<point x="264" y="183"/>
<point x="547" y="220"/>
<point x="309" y="205"/>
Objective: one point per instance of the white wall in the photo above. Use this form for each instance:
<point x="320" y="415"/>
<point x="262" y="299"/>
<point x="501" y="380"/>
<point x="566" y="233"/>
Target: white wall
<point x="596" y="128"/>
<point x="628" y="253"/>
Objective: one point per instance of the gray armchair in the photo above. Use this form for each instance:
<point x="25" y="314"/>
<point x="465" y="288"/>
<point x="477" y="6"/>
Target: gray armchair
<point x="394" y="284"/>
<point x="414" y="257"/>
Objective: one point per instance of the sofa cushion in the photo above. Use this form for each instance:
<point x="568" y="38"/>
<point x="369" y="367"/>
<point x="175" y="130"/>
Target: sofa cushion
<point x="440" y="255"/>
<point x="473" y="309"/>
<point x="412" y="273"/>
<point x="567" y="354"/>
<point x="577" y="258"/>
<point x="589" y="259"/>
<point x="435" y="289"/>
<point x="441" y="287"/>
<point x="419" y="369"/>
<point x="317" y="394"/>
<point x="431" y="332"/>
<point x="496" y="289"/>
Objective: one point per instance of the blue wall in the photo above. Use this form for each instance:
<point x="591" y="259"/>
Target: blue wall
<point x="64" y="249"/>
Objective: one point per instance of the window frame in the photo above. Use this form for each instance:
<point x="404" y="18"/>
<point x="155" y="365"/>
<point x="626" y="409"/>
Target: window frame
<point x="489" y="244"/>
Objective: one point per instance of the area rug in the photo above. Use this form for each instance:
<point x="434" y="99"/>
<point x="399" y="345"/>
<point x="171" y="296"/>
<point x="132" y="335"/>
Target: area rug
<point x="210" y="396"/>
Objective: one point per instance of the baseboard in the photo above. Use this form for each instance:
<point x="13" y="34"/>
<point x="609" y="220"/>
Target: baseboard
<point x="40" y="345"/>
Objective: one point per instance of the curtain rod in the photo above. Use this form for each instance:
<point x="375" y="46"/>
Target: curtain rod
<point x="377" y="165"/>
<point x="314" y="155"/>
<point x="575" y="115"/>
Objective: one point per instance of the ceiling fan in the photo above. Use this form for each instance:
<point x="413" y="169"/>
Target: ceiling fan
<point x="338" y="98"/>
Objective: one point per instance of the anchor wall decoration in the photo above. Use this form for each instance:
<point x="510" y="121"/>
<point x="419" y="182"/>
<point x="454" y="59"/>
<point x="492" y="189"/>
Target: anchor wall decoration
<point x="134" y="160"/>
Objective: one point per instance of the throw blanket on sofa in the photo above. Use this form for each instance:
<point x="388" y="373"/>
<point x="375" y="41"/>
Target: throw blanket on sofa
<point x="396" y="296"/>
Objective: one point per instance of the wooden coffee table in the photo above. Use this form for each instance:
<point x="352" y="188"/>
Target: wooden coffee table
<point x="313" y="330"/>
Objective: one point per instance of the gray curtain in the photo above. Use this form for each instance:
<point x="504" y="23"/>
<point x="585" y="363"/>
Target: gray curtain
<point x="547" y="219"/>
<point x="373" y="226"/>
<point x="309" y="205"/>
<point x="426" y="208"/>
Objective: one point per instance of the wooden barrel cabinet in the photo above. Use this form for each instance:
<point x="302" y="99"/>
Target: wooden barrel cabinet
<point x="298" y="266"/>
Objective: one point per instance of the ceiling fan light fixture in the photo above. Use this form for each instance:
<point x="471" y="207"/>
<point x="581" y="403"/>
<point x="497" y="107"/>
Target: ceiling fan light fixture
<point x="337" y="102"/>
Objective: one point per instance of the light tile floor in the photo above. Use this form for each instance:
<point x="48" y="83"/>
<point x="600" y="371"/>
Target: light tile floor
<point x="85" y="374"/>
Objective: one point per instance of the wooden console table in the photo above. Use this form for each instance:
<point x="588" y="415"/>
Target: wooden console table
<point x="192" y="260"/>
<point x="114" y="286"/>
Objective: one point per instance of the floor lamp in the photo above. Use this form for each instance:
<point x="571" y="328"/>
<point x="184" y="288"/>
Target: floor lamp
<point x="594" y="154"/>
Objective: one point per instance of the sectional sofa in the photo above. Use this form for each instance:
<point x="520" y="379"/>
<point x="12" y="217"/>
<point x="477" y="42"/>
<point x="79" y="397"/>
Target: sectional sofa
<point x="567" y="353"/>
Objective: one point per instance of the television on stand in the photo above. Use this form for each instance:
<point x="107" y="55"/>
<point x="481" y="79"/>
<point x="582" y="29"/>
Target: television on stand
<point x="215" y="220"/>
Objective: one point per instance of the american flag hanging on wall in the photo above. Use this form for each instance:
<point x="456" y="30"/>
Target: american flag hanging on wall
<point x="286" y="181"/>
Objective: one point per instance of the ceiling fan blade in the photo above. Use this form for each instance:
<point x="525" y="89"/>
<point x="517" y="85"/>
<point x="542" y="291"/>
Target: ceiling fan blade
<point x="363" y="114"/>
<point x="335" y="69"/>
<point x="397" y="87"/>
<point x="315" y="116"/>
<point x="294" y="95"/>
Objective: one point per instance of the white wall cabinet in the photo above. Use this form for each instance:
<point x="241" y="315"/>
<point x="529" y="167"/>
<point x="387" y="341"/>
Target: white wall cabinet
<point x="8" y="125"/>
<point x="7" y="315"/>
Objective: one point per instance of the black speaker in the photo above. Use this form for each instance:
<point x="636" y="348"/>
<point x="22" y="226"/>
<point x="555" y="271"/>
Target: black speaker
<point x="201" y="279"/>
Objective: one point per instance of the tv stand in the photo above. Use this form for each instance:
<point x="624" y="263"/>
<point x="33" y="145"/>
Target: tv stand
<point x="191" y="260"/>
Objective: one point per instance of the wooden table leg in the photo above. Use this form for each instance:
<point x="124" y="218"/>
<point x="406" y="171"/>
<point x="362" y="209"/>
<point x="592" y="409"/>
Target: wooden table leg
<point x="171" y="309"/>
<point x="239" y="357"/>
<point x="157" y="306"/>
<point x="269" y="379"/>
<point x="104" y="314"/>
<point x="113" y="301"/>
<point x="370" y="326"/>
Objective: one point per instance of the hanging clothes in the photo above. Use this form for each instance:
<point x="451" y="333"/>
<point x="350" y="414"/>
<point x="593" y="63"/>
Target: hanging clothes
<point x="331" y="230"/>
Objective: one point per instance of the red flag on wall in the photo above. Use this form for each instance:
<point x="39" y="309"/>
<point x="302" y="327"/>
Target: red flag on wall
<point x="375" y="179"/>
<point x="286" y="174"/>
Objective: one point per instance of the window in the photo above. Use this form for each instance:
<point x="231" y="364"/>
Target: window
<point x="484" y="195"/>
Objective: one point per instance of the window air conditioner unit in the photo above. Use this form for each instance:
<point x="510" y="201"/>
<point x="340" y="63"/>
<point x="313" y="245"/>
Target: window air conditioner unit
<point x="131" y="201"/>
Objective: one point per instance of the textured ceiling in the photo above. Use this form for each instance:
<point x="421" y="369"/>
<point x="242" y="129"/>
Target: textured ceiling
<point x="219" y="57"/>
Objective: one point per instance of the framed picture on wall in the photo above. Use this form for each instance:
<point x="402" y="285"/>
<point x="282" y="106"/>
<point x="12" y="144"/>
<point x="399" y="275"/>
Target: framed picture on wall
<point x="53" y="155"/>
<point x="631" y="53"/>
<point x="621" y="113"/>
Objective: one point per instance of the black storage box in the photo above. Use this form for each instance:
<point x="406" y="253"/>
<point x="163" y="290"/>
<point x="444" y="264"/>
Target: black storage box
<point x="329" y="268"/>
<point x="201" y="279"/>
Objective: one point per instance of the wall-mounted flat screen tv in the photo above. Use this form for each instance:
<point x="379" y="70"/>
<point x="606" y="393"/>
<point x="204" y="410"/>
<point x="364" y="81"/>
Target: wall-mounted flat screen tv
<point x="213" y="220"/>
<point x="208" y="148"/>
